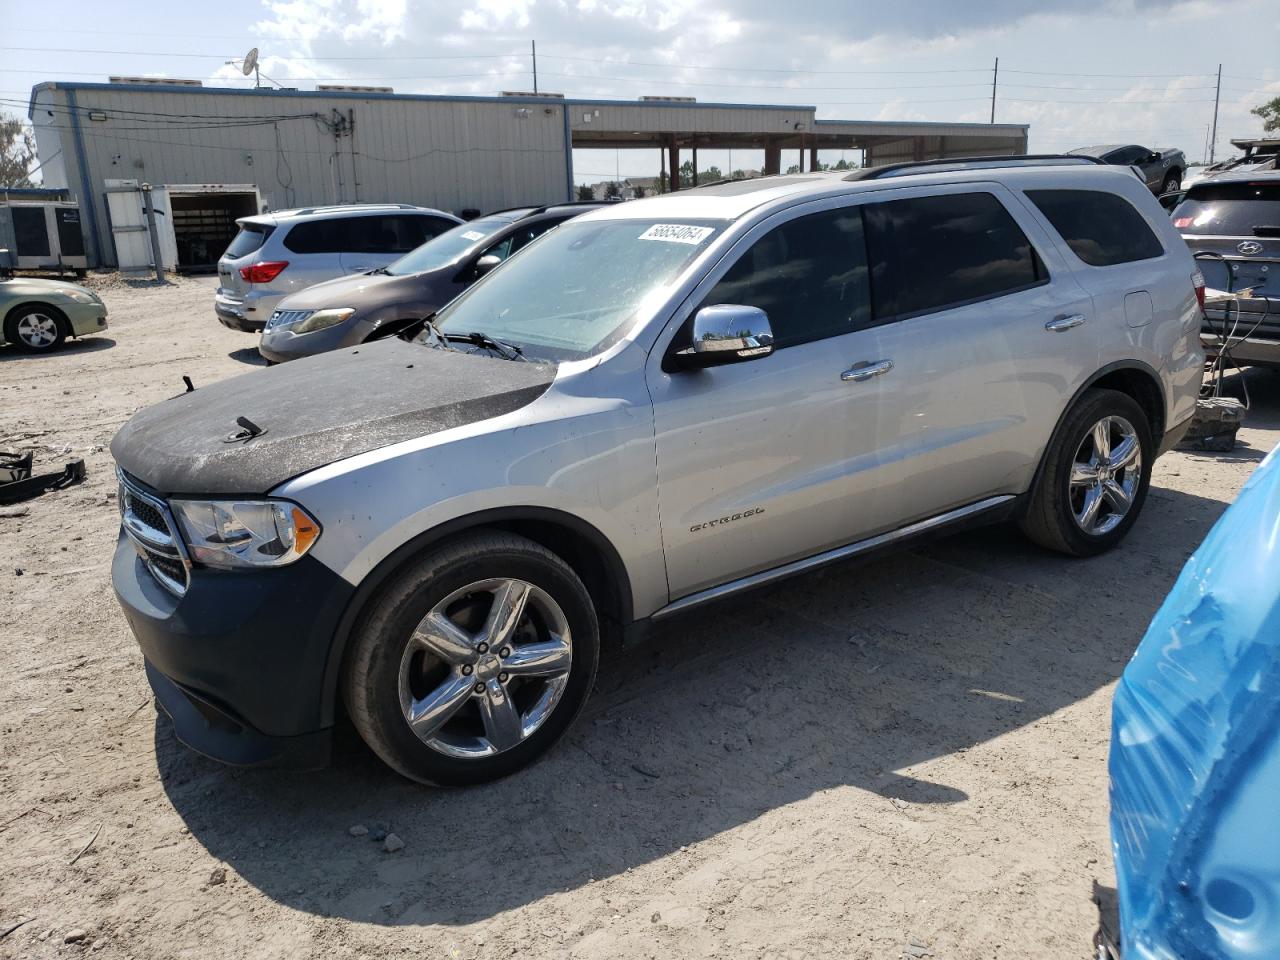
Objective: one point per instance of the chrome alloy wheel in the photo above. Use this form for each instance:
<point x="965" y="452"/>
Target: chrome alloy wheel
<point x="38" y="330"/>
<point x="1105" y="474"/>
<point x="485" y="668"/>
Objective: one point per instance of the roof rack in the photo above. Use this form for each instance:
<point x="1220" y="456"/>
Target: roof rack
<point x="307" y="211"/>
<point x="971" y="163"/>
<point x="531" y="209"/>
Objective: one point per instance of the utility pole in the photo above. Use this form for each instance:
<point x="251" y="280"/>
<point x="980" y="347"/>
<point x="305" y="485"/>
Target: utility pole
<point x="995" y="76"/>
<point x="534" y="46"/>
<point x="157" y="258"/>
<point x="1217" y="92"/>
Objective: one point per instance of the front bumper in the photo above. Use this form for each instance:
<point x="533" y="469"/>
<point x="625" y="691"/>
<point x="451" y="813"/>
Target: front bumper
<point x="239" y="661"/>
<point x="86" y="318"/>
<point x="280" y="343"/>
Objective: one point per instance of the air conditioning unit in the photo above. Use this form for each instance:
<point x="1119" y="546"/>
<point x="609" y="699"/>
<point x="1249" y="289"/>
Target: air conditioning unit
<point x="42" y="234"/>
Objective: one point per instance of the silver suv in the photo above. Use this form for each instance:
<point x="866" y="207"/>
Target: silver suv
<point x="276" y="254"/>
<point x="653" y="407"/>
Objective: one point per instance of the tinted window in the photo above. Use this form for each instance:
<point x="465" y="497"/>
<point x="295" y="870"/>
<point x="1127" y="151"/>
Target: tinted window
<point x="251" y="237"/>
<point x="1100" y="228"/>
<point x="322" y="236"/>
<point x="1127" y="155"/>
<point x="399" y="233"/>
<point x="930" y="253"/>
<point x="1230" y="209"/>
<point x="520" y="238"/>
<point x="809" y="275"/>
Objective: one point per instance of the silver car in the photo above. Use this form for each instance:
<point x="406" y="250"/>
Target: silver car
<point x="657" y="406"/>
<point x="276" y="254"/>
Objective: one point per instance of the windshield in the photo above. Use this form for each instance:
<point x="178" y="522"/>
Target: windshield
<point x="574" y="291"/>
<point x="1229" y="209"/>
<point x="447" y="247"/>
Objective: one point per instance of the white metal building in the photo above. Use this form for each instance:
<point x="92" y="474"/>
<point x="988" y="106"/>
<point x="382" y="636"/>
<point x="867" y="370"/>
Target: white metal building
<point x="221" y="152"/>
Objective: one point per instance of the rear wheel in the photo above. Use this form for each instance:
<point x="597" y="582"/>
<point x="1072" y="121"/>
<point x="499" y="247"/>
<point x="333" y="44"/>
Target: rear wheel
<point x="473" y="661"/>
<point x="35" y="328"/>
<point x="1094" y="480"/>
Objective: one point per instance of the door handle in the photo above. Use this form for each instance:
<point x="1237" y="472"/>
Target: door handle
<point x="865" y="370"/>
<point x="1062" y="324"/>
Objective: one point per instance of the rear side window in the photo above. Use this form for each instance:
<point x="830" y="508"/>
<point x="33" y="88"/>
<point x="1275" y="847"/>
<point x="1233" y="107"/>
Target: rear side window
<point x="250" y="238"/>
<point x="322" y="236"/>
<point x="1230" y="209"/>
<point x="809" y="275"/>
<point x="932" y="253"/>
<point x="1101" y="229"/>
<point x="394" y="234"/>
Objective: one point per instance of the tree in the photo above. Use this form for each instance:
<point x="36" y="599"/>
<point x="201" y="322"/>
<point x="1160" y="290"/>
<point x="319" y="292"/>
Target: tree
<point x="663" y="186"/>
<point x="843" y="164"/>
<point x="794" y="168"/>
<point x="612" y="189"/>
<point x="639" y="192"/>
<point x="585" y="192"/>
<point x="17" y="153"/>
<point x="1270" y="114"/>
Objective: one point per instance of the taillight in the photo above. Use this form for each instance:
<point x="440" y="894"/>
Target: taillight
<point x="1197" y="281"/>
<point x="264" y="271"/>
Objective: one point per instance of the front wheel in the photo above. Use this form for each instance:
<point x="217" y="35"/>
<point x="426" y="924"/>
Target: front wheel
<point x="472" y="661"/>
<point x="1172" y="183"/>
<point x="1094" y="479"/>
<point x="35" y="329"/>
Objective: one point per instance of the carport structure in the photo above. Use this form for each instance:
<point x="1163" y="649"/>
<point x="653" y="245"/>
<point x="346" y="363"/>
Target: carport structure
<point x="675" y="125"/>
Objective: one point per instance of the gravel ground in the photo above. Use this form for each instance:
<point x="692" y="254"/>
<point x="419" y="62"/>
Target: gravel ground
<point x="906" y="758"/>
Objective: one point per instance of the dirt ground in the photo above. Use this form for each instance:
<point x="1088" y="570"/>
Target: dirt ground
<point x="906" y="758"/>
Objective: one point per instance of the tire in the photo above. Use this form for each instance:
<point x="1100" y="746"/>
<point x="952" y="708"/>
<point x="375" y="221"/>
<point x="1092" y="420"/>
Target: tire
<point x="399" y="664"/>
<point x="1057" y="515"/>
<point x="35" y="328"/>
<point x="1171" y="183"/>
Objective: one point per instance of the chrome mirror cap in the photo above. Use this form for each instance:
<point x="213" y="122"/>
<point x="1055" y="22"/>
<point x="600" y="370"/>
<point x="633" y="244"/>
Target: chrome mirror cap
<point x="727" y="333"/>
<point x="487" y="263"/>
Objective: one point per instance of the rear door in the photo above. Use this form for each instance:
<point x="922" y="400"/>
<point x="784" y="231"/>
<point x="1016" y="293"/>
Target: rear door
<point x="987" y="331"/>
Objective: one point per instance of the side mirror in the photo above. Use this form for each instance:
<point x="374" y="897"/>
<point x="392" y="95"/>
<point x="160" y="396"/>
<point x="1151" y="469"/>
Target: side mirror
<point x="726" y="333"/>
<point x="486" y="263"/>
<point x="1152" y="157"/>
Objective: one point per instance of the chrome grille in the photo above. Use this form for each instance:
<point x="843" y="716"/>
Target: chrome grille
<point x="151" y="529"/>
<point x="283" y="318"/>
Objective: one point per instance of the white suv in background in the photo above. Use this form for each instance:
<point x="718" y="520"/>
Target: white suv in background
<point x="276" y="254"/>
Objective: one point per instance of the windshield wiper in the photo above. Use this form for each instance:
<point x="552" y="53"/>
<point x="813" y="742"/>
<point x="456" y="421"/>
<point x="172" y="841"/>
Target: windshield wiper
<point x="377" y="270"/>
<point x="508" y="351"/>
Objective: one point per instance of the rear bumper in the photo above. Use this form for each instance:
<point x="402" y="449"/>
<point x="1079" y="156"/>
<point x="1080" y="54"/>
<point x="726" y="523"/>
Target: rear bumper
<point x="239" y="661"/>
<point x="1255" y="351"/>
<point x="248" y="313"/>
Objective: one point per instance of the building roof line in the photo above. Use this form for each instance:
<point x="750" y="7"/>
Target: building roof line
<point x="276" y="93"/>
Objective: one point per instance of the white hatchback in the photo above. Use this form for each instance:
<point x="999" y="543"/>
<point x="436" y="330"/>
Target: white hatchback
<point x="276" y="254"/>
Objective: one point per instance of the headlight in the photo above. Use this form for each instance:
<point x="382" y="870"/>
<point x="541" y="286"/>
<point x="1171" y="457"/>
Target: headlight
<point x="245" y="533"/>
<point x="82" y="296"/>
<point x="324" y="318"/>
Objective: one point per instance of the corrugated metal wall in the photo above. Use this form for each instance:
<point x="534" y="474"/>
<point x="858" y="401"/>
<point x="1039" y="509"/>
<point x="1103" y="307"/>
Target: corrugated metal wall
<point x="447" y="154"/>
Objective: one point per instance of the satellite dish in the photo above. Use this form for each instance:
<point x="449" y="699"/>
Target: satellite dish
<point x="250" y="61"/>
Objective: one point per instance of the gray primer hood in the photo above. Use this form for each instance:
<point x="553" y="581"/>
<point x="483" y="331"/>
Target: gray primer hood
<point x="316" y="411"/>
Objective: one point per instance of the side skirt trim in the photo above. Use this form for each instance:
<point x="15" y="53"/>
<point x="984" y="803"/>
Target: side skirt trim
<point x="830" y="556"/>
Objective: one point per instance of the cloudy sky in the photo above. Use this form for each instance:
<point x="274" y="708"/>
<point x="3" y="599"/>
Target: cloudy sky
<point x="1078" y="71"/>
